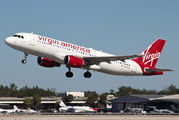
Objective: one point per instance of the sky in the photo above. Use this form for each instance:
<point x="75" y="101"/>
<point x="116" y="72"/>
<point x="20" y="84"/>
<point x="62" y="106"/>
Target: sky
<point x="119" y="27"/>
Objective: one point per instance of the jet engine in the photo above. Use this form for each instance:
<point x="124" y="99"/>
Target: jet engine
<point x="47" y="62"/>
<point x="73" y="61"/>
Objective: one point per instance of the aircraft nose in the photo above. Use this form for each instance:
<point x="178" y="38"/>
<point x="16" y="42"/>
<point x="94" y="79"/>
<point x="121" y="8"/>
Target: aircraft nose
<point x="8" y="41"/>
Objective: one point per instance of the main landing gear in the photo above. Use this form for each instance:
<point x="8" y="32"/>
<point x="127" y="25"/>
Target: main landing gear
<point x="25" y="60"/>
<point x="69" y="74"/>
<point x="87" y="74"/>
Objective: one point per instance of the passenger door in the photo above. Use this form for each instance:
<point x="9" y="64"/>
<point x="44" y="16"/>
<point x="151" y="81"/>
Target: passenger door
<point x="32" y="40"/>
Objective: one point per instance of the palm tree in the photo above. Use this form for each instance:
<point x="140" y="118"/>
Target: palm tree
<point x="28" y="102"/>
<point x="37" y="101"/>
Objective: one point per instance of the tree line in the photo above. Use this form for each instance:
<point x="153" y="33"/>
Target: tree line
<point x="123" y="91"/>
<point x="12" y="91"/>
<point x="93" y="100"/>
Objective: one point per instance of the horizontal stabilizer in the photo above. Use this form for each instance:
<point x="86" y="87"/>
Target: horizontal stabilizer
<point x="155" y="70"/>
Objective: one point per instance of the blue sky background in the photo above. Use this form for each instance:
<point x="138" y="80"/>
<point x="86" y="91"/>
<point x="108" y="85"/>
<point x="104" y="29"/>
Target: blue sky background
<point x="119" y="27"/>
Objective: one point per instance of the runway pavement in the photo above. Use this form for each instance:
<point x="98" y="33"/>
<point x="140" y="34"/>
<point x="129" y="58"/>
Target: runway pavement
<point x="89" y="117"/>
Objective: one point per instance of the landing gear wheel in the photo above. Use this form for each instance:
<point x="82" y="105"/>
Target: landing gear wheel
<point x="69" y="74"/>
<point x="24" y="61"/>
<point x="87" y="74"/>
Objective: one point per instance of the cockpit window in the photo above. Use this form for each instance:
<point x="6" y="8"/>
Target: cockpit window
<point x="19" y="36"/>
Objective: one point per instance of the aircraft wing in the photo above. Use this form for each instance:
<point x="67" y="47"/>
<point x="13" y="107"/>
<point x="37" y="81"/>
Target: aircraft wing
<point x="155" y="70"/>
<point x="22" y="110"/>
<point x="99" y="59"/>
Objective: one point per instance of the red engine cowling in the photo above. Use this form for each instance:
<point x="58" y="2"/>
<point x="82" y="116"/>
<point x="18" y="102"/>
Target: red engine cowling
<point x="73" y="61"/>
<point x="47" y="62"/>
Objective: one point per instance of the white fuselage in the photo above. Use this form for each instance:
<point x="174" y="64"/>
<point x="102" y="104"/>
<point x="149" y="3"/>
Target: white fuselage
<point x="56" y="50"/>
<point x="76" y="109"/>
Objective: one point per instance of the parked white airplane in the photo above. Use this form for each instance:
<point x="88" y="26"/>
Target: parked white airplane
<point x="9" y="110"/>
<point x="53" y="53"/>
<point x="63" y="107"/>
<point x="27" y="110"/>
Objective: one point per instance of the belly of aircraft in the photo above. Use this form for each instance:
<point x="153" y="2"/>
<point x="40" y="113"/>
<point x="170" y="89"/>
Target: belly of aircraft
<point x="119" y="69"/>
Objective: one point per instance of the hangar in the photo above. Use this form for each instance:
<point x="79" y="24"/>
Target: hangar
<point x="170" y="102"/>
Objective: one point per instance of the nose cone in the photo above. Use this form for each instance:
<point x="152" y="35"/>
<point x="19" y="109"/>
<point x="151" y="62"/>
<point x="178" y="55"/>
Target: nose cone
<point x="8" y="41"/>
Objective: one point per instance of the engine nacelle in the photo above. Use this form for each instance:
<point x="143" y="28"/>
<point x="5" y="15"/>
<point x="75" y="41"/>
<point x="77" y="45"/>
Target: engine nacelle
<point x="47" y="62"/>
<point x="73" y="61"/>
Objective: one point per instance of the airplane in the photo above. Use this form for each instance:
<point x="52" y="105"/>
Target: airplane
<point x="27" y="110"/>
<point x="9" y="110"/>
<point x="65" y="108"/>
<point x="53" y="53"/>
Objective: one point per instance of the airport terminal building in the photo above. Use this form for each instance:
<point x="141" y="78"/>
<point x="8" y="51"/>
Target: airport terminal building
<point x="144" y="101"/>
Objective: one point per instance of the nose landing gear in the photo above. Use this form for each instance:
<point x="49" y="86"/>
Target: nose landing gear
<point x="24" y="60"/>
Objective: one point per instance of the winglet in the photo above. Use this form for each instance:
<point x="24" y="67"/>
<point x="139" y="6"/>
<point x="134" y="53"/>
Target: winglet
<point x="15" y="107"/>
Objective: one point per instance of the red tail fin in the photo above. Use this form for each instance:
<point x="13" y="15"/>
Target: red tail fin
<point x="151" y="54"/>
